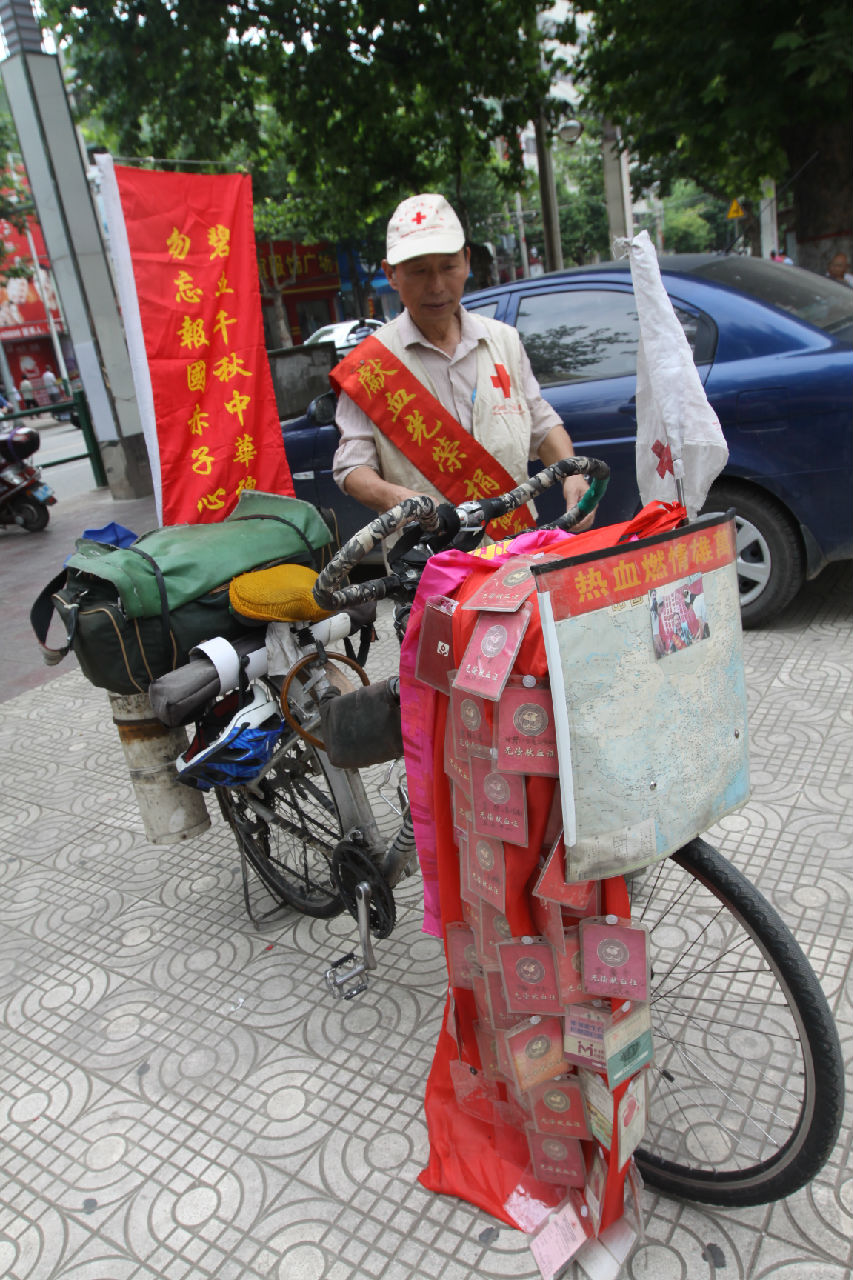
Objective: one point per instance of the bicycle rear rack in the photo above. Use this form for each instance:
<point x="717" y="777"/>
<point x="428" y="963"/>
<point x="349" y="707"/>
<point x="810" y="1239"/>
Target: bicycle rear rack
<point x="347" y="976"/>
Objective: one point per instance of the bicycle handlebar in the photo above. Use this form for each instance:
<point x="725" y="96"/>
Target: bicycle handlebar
<point x="330" y="594"/>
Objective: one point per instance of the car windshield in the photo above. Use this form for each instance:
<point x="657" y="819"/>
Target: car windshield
<point x="813" y="298"/>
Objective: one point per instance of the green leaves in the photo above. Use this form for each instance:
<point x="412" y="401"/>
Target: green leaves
<point x="343" y="105"/>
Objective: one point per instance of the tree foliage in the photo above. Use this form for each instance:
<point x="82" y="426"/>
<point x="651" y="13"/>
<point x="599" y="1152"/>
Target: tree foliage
<point x="728" y="93"/>
<point x="346" y="104"/>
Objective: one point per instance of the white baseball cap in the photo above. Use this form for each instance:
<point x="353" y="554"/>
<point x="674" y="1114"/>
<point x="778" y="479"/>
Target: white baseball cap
<point x="423" y="224"/>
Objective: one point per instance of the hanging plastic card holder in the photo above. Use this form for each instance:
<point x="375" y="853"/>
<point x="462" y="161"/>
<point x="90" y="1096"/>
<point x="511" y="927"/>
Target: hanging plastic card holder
<point x="505" y="590"/>
<point x="461" y="956"/>
<point x="491" y="928"/>
<point x="476" y="1095"/>
<point x="484" y="870"/>
<point x="569" y="980"/>
<point x="529" y="976"/>
<point x="488" y="1049"/>
<point x="559" y="1237"/>
<point x="548" y="919"/>
<point x="598" y="1100"/>
<point x="498" y="802"/>
<point x="576" y="899"/>
<point x="631" y="1115"/>
<point x="491" y="652"/>
<point x="558" y="1107"/>
<point x="596" y="1184"/>
<point x="532" y="1052"/>
<point x="455" y="763"/>
<point x="614" y="958"/>
<point x="556" y="1159"/>
<point x="584" y="1035"/>
<point x="627" y="1042"/>
<point x="527" y="737"/>
<point x="500" y="1016"/>
<point x="463" y="813"/>
<point x="472" y="723"/>
<point x="434" y="661"/>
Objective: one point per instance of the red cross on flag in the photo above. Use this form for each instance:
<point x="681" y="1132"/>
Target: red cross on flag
<point x="678" y="433"/>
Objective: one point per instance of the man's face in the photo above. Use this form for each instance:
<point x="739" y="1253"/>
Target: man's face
<point x="838" y="266"/>
<point x="431" y="286"/>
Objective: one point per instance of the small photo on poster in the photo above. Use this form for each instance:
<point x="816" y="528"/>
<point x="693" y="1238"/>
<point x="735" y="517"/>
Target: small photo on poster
<point x="678" y="615"/>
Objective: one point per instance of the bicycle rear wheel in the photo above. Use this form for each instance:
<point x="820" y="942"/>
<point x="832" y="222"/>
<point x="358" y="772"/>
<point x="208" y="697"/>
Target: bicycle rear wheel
<point x="747" y="1089"/>
<point x="288" y="825"/>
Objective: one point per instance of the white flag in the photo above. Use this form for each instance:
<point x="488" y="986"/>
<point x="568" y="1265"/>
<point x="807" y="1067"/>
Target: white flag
<point x="678" y="433"/>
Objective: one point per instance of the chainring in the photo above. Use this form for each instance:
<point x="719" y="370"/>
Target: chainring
<point x="350" y="867"/>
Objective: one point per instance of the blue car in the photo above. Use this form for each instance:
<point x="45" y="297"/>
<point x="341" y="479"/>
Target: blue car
<point x="774" y="347"/>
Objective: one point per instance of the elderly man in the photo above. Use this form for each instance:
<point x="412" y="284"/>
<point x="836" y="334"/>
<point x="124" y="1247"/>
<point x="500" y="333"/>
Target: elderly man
<point x="440" y="401"/>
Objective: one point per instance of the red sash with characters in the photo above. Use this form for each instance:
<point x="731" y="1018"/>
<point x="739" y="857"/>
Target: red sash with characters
<point x="423" y="430"/>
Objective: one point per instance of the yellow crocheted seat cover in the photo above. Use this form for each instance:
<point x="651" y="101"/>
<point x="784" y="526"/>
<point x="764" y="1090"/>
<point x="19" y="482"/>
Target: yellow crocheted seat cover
<point x="279" y="594"/>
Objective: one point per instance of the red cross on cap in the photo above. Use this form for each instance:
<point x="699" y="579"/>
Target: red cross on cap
<point x="419" y="217"/>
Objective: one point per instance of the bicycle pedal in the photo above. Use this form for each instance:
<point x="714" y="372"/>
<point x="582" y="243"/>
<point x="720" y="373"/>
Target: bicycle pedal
<point x="346" y="977"/>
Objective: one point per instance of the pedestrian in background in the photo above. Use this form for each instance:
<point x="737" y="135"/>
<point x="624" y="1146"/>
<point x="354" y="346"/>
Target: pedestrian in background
<point x="27" y="394"/>
<point x="51" y="386"/>
<point x="839" y="269"/>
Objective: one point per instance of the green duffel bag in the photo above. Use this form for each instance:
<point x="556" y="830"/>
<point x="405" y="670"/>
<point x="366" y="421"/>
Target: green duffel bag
<point x="133" y="613"/>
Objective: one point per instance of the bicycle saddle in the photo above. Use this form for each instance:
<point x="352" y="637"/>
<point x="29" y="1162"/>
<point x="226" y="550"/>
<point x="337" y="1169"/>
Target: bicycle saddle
<point x="278" y="594"/>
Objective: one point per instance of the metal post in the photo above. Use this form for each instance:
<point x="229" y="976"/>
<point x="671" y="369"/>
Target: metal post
<point x="548" y="195"/>
<point x="81" y="408"/>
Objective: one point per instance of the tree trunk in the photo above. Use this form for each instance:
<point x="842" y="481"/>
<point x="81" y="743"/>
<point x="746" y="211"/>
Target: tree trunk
<point x="821" y="164"/>
<point x="280" y="334"/>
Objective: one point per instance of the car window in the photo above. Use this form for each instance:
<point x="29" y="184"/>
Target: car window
<point x="578" y="335"/>
<point x="483" y="309"/>
<point x="813" y="298"/>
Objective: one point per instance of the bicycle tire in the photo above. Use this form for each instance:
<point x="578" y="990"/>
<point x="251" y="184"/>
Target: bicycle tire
<point x="288" y="825"/>
<point x="747" y="1089"/>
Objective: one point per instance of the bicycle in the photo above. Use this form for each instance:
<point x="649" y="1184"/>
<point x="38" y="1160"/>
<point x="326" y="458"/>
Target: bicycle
<point x="747" y="1085"/>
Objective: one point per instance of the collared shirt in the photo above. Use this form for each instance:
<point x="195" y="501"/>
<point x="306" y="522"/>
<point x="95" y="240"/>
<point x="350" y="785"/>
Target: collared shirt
<point x="454" y="381"/>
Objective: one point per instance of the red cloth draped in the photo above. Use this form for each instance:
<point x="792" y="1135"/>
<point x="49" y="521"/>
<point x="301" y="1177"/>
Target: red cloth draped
<point x="477" y="1161"/>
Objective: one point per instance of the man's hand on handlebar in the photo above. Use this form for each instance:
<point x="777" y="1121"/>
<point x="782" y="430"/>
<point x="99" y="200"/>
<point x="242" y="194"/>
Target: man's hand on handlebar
<point x="574" y="488"/>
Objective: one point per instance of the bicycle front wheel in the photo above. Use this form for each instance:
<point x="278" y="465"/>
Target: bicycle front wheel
<point x="747" y="1089"/>
<point x="288" y="825"/>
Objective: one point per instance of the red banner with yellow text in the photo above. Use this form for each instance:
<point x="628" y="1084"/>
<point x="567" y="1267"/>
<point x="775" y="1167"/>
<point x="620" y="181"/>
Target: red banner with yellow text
<point x="192" y="247"/>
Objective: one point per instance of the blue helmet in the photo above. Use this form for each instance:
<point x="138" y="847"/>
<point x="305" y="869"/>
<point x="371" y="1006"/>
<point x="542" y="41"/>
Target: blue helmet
<point x="233" y="743"/>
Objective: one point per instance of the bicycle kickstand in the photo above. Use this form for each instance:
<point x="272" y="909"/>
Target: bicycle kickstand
<point x="347" y="977"/>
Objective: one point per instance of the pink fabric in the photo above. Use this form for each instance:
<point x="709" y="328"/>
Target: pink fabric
<point x="441" y="577"/>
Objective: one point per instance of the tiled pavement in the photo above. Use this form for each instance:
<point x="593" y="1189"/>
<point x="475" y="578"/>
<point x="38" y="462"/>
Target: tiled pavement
<point x="180" y="1097"/>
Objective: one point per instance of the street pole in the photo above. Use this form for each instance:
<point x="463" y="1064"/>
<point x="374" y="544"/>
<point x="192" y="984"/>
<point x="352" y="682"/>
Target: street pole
<point x="617" y="187"/>
<point x="522" y="238"/>
<point x="548" y="196"/>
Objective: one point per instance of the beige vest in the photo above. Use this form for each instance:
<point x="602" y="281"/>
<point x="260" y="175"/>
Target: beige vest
<point x="500" y="424"/>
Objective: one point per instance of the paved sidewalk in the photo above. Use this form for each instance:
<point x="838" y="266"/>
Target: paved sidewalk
<point x="181" y="1097"/>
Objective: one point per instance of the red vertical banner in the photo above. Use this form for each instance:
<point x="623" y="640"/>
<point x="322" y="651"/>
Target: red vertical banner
<point x="192" y="247"/>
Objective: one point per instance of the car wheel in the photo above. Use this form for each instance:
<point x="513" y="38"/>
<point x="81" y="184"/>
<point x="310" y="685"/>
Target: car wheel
<point x="770" y="560"/>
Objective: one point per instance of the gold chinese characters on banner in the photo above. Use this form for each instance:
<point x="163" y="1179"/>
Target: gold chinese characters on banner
<point x="192" y="248"/>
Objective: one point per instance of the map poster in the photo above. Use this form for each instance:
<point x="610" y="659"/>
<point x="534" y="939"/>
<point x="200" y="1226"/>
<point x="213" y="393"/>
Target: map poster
<point x="651" y="752"/>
